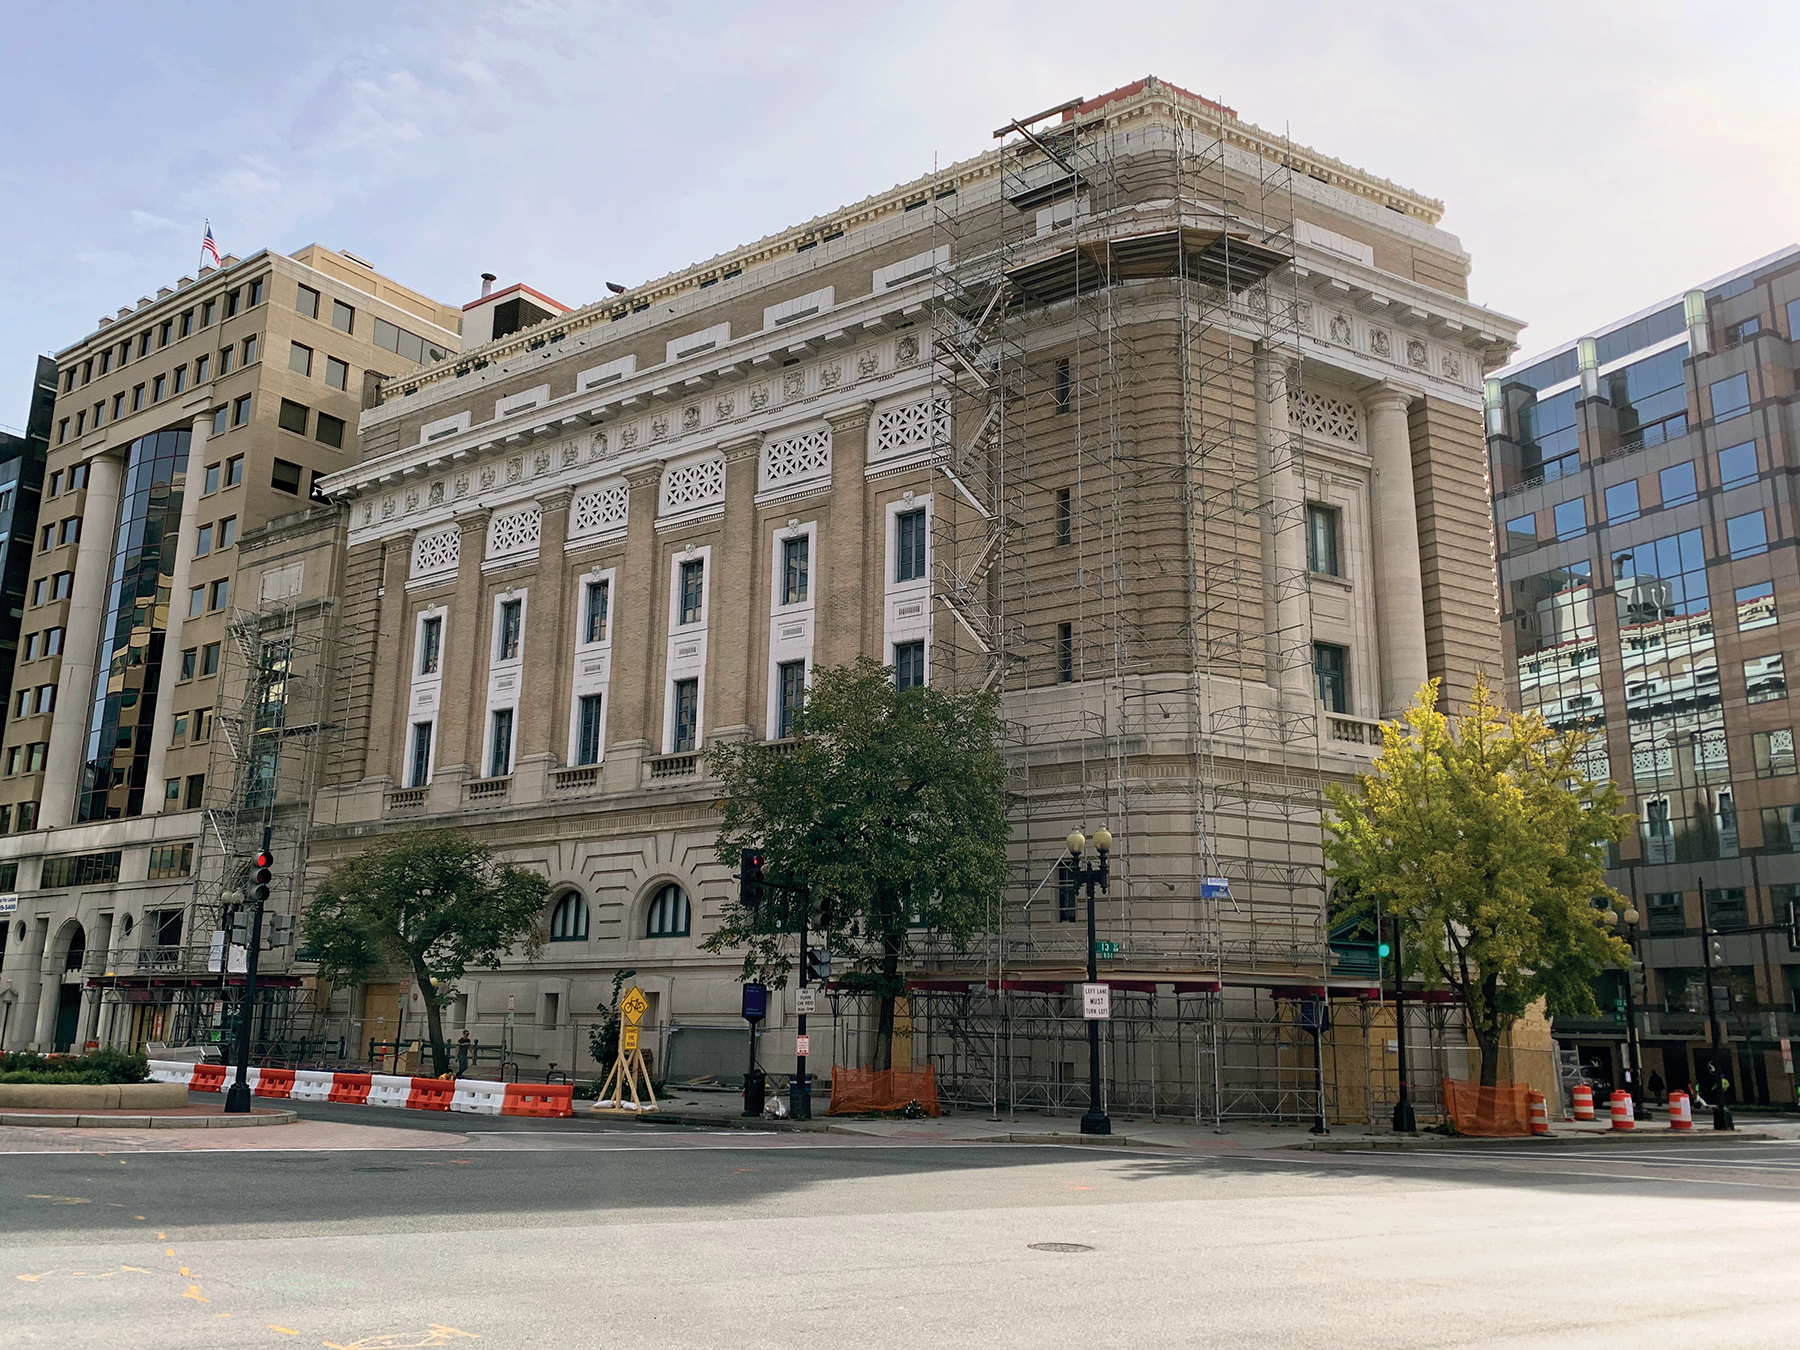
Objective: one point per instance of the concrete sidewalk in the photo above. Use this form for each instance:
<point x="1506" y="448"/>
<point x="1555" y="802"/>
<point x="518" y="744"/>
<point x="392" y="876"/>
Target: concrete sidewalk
<point x="722" y="1110"/>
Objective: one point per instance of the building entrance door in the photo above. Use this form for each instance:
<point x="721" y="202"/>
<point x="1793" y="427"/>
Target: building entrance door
<point x="68" y="1016"/>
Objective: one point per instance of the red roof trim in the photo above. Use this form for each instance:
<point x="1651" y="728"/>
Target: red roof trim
<point x="557" y="305"/>
<point x="1137" y="87"/>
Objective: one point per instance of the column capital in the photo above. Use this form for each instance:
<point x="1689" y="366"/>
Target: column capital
<point x="556" y="499"/>
<point x="1390" y="398"/>
<point x="851" y="417"/>
<point x="739" y="448"/>
<point x="645" y="474"/>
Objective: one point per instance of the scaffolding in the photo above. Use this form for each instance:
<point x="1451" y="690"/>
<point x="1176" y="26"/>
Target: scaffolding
<point x="1118" y="549"/>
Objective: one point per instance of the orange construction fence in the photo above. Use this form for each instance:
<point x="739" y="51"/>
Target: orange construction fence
<point x="1489" y="1111"/>
<point x="858" y="1091"/>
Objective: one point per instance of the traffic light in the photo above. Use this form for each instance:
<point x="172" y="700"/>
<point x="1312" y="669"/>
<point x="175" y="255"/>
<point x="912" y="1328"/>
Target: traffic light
<point x="1637" y="982"/>
<point x="281" y="930"/>
<point x="818" y="965"/>
<point x="750" y="878"/>
<point x="1717" y="947"/>
<point x="260" y="877"/>
<point x="240" y="927"/>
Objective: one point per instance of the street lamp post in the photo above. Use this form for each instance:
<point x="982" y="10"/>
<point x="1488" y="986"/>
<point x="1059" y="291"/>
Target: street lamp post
<point x="1634" y="1050"/>
<point x="1096" y="1120"/>
<point x="1721" y="1113"/>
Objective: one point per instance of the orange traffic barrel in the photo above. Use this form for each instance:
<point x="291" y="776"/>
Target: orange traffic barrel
<point x="1623" y="1114"/>
<point x="1584" y="1102"/>
<point x="1540" y="1114"/>
<point x="1681" y="1111"/>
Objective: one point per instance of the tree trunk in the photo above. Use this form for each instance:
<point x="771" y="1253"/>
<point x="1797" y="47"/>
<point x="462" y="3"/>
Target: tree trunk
<point x="434" y="1020"/>
<point x="1488" y="1040"/>
<point x="890" y="978"/>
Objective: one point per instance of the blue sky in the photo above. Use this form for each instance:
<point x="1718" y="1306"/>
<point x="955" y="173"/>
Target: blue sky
<point x="1593" y="156"/>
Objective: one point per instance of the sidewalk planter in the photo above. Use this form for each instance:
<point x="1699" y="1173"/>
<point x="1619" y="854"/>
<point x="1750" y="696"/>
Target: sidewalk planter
<point x="151" y="1096"/>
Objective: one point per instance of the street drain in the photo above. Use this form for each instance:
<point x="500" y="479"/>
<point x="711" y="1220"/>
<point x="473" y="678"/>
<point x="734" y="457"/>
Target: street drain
<point x="1059" y="1247"/>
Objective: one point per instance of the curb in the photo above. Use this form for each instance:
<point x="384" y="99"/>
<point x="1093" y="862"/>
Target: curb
<point x="59" y="1120"/>
<point x="1598" y="1139"/>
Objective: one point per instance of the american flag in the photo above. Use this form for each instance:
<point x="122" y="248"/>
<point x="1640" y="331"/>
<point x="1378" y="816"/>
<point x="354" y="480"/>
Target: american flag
<point x="208" y="249"/>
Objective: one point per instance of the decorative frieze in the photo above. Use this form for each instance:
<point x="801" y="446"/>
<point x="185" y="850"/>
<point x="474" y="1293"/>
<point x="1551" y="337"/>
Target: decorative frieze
<point x="692" y="485"/>
<point x="515" y="532"/>
<point x="436" y="551"/>
<point x="599" y="510"/>
<point x="795" y="458"/>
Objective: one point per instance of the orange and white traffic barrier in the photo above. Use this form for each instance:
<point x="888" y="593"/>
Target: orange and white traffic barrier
<point x="1540" y="1113"/>
<point x="1624" y="1115"/>
<point x="477" y="1096"/>
<point x="1681" y="1111"/>
<point x="1584" y="1102"/>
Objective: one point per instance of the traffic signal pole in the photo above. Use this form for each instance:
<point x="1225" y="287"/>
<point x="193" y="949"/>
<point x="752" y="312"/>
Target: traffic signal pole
<point x="1405" y="1121"/>
<point x="800" y="1091"/>
<point x="237" y="1097"/>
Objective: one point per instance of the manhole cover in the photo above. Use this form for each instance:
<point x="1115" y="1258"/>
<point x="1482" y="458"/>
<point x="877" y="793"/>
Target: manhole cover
<point x="1059" y="1247"/>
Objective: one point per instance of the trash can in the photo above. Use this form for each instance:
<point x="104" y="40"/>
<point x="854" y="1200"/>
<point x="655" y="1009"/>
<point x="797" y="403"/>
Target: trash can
<point x="756" y="1087"/>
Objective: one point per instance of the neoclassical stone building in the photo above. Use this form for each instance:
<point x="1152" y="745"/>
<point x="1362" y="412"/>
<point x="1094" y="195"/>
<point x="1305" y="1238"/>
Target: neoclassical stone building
<point x="1167" y="430"/>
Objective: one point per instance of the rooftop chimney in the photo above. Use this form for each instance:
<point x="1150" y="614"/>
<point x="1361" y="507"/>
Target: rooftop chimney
<point x="487" y="283"/>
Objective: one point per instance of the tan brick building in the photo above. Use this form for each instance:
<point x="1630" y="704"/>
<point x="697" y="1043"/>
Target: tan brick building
<point x="1165" y="428"/>
<point x="182" y="425"/>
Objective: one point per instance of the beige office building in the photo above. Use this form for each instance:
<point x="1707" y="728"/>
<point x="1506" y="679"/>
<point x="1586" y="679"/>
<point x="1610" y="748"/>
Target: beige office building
<point x="183" y="425"/>
<point x="1165" y="428"/>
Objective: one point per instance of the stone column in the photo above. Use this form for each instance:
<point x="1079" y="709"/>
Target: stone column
<point x="549" y="629"/>
<point x="640" y="628"/>
<point x="164" y="726"/>
<point x="1394" y="529"/>
<point x="49" y="998"/>
<point x="81" y="643"/>
<point x="1288" y="600"/>
<point x="461" y="703"/>
<point x="841" y="637"/>
<point x="736" y="657"/>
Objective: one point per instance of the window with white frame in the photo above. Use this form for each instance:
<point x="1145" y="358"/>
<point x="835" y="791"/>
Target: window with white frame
<point x="669" y="913"/>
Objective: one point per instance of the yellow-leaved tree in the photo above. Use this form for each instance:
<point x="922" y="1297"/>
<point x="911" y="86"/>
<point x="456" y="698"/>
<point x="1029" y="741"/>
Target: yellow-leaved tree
<point x="1483" y="838"/>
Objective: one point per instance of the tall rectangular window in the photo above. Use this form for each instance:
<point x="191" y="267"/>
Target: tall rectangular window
<point x="431" y="640"/>
<point x="337" y="373"/>
<point x="512" y="621"/>
<point x="1065" y="516"/>
<point x="687" y="714"/>
<point x="1677" y="483"/>
<point x="420" y="773"/>
<point x="693" y="590"/>
<point x="795" y="559"/>
<point x="1068" y="892"/>
<point x="500" y="750"/>
<point x="593" y="628"/>
<point x="909" y="665"/>
<point x="1065" y="653"/>
<point x="909" y="545"/>
<point x="299" y="359"/>
<point x="587" y="730"/>
<point x="792" y="678"/>
<point x="1571" y="517"/>
<point x="306" y="301"/>
<point x="1321" y="539"/>
<point x="343" y="317"/>
<point x="1063" y="385"/>
<point x="1737" y="465"/>
<point x="240" y="411"/>
<point x="1329" y="670"/>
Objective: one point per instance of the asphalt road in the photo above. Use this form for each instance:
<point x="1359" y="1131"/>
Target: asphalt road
<point x="577" y="1234"/>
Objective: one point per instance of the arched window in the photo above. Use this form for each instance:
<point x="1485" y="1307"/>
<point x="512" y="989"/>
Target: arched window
<point x="669" y="914"/>
<point x="569" y="920"/>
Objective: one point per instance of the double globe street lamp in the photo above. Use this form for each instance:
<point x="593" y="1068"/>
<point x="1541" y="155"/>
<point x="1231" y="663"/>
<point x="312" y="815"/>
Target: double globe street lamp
<point x="1086" y="878"/>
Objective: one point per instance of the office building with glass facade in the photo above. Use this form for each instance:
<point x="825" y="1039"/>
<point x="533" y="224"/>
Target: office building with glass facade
<point x="1644" y="510"/>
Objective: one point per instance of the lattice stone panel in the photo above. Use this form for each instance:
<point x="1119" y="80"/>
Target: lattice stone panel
<point x="912" y="426"/>
<point x="603" y="508"/>
<point x="516" y="532"/>
<point x="807" y="455"/>
<point x="1326" y="415"/>
<point x="436" y="552"/>
<point x="696" y="483"/>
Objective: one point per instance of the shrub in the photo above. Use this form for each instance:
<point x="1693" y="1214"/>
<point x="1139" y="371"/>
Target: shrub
<point x="101" y="1066"/>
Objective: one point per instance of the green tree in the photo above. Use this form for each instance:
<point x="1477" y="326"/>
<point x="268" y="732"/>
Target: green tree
<point x="1488" y="844"/>
<point x="432" y="903"/>
<point x="889" y="808"/>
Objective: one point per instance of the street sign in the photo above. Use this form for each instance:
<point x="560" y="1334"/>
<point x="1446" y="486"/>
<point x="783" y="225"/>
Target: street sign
<point x="756" y="1002"/>
<point x="1096" y="1002"/>
<point x="512" y="1002"/>
<point x="634" y="1005"/>
<point x="9" y="904"/>
<point x="238" y="962"/>
<point x="1215" y="888"/>
<point x="803" y="1045"/>
<point x="1106" y="951"/>
<point x="805" y="1000"/>
<point x="628" y="1037"/>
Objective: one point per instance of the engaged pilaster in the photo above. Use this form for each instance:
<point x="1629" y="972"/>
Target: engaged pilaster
<point x="1399" y="589"/>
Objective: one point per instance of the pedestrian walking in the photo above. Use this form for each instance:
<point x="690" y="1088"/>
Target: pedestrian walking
<point x="463" y="1047"/>
<point x="1656" y="1086"/>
